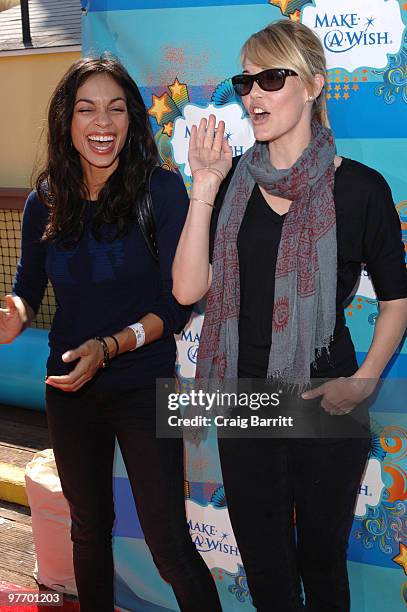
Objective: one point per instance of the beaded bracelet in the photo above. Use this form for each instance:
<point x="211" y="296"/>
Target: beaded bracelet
<point x="115" y="340"/>
<point x="106" y="356"/>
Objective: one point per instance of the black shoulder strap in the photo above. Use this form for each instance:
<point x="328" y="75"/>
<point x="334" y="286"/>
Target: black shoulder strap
<point x="146" y="218"/>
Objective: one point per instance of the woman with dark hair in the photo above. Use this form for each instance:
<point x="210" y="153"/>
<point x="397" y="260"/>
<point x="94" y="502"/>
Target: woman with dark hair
<point x="278" y="246"/>
<point x="87" y="229"/>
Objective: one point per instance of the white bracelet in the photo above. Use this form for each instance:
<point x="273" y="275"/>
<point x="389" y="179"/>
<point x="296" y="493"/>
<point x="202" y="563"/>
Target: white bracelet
<point x="140" y="334"/>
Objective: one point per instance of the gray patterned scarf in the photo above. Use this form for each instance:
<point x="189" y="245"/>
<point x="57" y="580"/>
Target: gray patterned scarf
<point x="303" y="318"/>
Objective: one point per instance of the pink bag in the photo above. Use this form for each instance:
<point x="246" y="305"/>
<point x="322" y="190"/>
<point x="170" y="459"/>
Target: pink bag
<point x="51" y="524"/>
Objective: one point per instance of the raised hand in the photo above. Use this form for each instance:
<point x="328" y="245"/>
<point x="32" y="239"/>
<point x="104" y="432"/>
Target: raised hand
<point x="209" y="154"/>
<point x="11" y="322"/>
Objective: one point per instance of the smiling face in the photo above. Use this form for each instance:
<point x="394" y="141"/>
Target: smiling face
<point x="278" y="114"/>
<point x="99" y="123"/>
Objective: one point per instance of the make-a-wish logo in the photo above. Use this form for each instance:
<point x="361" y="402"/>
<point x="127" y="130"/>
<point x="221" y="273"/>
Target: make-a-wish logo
<point x="212" y="534"/>
<point x="371" y="488"/>
<point x="356" y="33"/>
<point x="238" y="129"/>
<point x="187" y="346"/>
<point x="193" y="354"/>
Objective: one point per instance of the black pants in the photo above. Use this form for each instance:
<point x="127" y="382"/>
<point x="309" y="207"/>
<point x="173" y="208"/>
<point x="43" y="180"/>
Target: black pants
<point x="83" y="426"/>
<point x="264" y="480"/>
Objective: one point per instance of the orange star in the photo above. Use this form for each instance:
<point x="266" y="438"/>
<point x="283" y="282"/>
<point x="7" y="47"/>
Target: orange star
<point x="355" y="87"/>
<point x="328" y="96"/>
<point x="281" y="3"/>
<point x="337" y="96"/>
<point x="159" y="107"/>
<point x="346" y="87"/>
<point x="346" y="95"/>
<point x="337" y="87"/>
<point x="168" y="128"/>
<point x="177" y="89"/>
<point x="329" y="87"/>
<point x="296" y="16"/>
<point x="401" y="558"/>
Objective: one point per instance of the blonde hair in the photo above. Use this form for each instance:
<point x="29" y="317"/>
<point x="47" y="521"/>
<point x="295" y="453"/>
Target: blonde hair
<point x="290" y="44"/>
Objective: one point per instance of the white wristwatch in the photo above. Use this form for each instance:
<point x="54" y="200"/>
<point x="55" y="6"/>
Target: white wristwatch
<point x="140" y="334"/>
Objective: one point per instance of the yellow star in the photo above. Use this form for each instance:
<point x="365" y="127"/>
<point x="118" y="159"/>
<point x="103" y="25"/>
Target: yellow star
<point x="346" y="95"/>
<point x="346" y="87"/>
<point x="337" y="87"/>
<point x="177" y="89"/>
<point x="401" y="558"/>
<point x="168" y="128"/>
<point x="337" y="96"/>
<point x="355" y="87"/>
<point x="159" y="107"/>
<point x="328" y="96"/>
<point x="281" y="3"/>
<point x="329" y="87"/>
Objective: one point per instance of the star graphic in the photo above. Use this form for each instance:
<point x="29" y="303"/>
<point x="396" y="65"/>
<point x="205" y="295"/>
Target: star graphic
<point x="228" y="135"/>
<point x="159" y="107"/>
<point x="337" y="87"/>
<point x="281" y="3"/>
<point x="328" y="96"/>
<point x="177" y="89"/>
<point x="401" y="558"/>
<point x="355" y="87"/>
<point x="168" y="128"/>
<point x="337" y="96"/>
<point x="346" y="95"/>
<point x="224" y="535"/>
<point x="346" y="87"/>
<point x="369" y="21"/>
<point x="329" y="87"/>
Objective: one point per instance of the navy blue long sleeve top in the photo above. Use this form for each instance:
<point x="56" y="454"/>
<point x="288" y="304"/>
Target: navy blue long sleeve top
<point x="102" y="287"/>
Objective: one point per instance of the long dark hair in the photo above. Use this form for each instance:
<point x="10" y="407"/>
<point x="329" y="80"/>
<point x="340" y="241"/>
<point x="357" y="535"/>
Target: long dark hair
<point x="60" y="184"/>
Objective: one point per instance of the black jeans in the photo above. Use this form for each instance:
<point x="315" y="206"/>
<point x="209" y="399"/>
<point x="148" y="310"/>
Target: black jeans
<point x="83" y="426"/>
<point x="265" y="479"/>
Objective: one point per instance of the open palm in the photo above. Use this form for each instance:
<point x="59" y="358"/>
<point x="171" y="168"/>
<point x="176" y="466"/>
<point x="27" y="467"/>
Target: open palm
<point x="208" y="148"/>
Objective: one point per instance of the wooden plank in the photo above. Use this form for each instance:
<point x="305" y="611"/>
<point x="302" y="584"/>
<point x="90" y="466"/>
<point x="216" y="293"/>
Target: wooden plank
<point x="23" y="415"/>
<point x="15" y="577"/>
<point x="17" y="457"/>
<point x="13" y="198"/>
<point x="14" y="512"/>
<point x="17" y="547"/>
<point x="25" y="437"/>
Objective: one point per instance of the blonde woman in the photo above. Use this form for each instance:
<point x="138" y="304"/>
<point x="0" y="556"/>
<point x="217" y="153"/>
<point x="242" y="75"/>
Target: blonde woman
<point x="279" y="254"/>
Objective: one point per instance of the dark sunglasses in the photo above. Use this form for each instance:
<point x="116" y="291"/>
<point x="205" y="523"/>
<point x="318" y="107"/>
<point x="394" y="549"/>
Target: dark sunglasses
<point x="271" y="79"/>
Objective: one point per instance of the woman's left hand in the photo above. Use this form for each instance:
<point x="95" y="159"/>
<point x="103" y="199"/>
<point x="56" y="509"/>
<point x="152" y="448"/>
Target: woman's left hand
<point x="340" y="396"/>
<point x="90" y="356"/>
